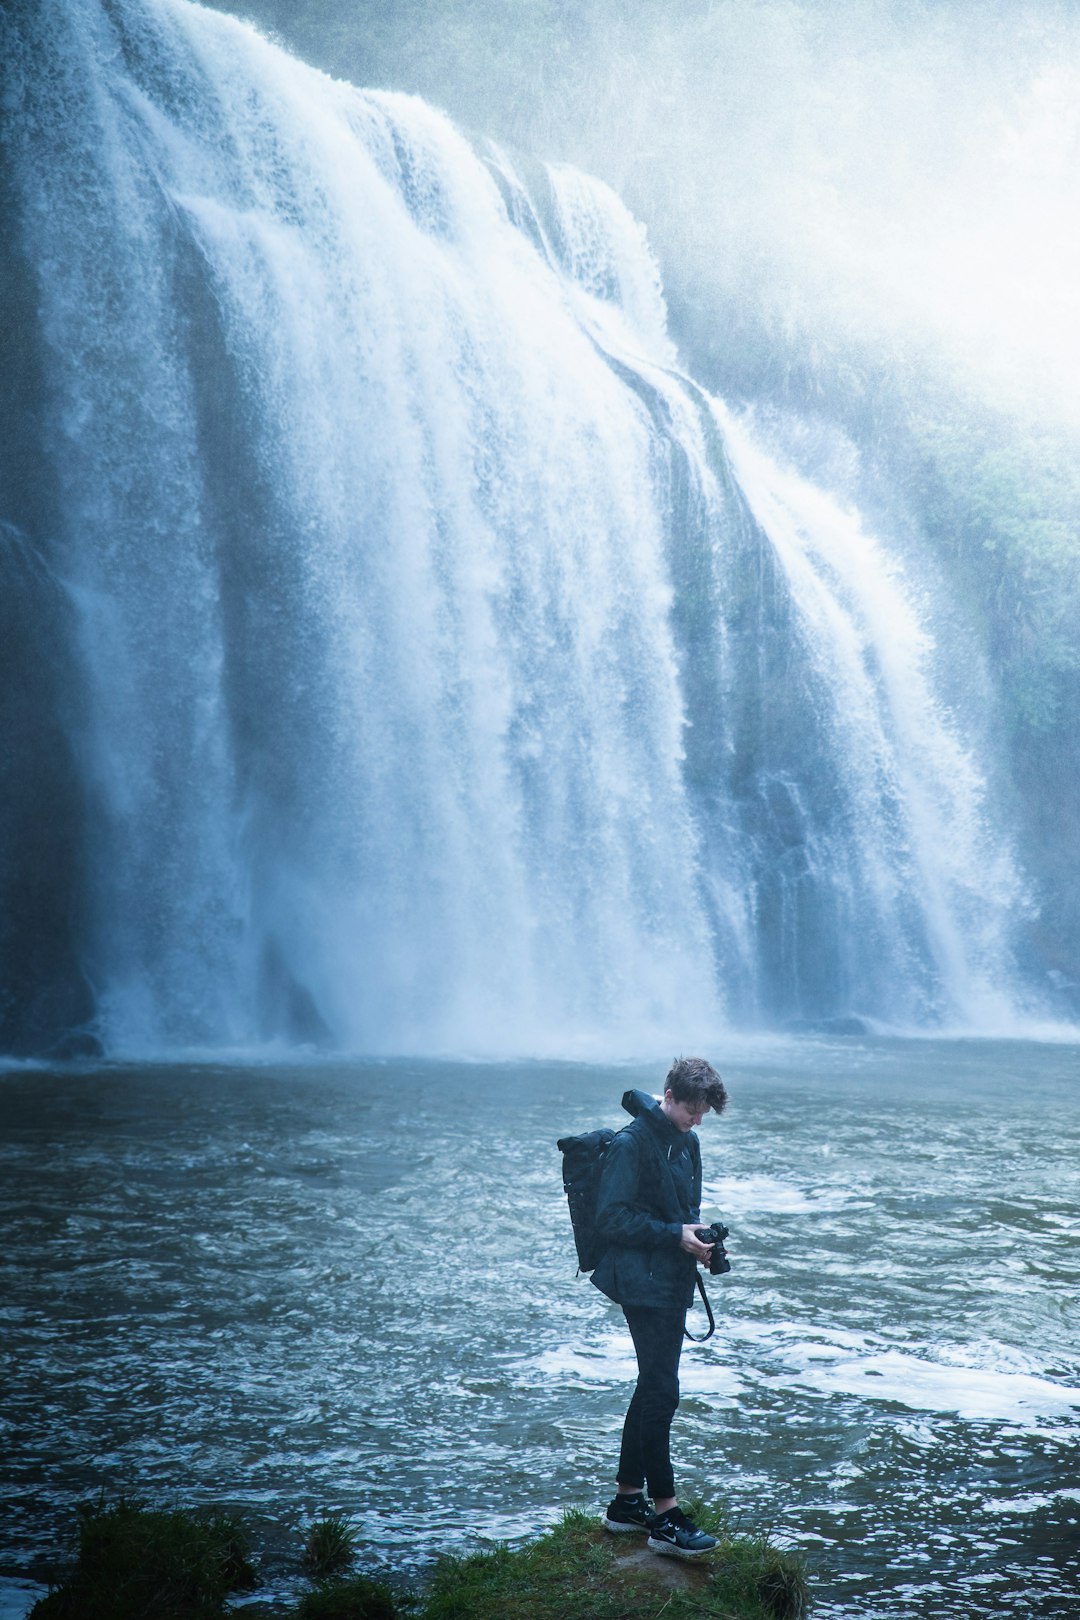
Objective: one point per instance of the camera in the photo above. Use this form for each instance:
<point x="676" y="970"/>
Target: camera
<point x="715" y="1234"/>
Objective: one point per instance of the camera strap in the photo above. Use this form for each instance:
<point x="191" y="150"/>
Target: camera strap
<point x="699" y="1338"/>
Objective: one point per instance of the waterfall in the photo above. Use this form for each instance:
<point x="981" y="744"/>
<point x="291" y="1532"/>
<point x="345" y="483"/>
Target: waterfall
<point x="435" y="667"/>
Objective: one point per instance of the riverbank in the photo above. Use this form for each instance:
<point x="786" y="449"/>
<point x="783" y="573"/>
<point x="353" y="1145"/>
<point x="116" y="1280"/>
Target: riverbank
<point x="138" y="1563"/>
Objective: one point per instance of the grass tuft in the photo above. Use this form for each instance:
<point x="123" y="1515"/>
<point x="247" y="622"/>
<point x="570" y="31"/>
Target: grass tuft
<point x="139" y="1563"/>
<point x="757" y="1575"/>
<point x="782" y="1586"/>
<point x="356" y="1599"/>
<point x="330" y="1548"/>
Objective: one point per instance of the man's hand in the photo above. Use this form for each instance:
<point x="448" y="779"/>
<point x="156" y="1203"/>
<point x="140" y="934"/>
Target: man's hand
<point x="693" y="1244"/>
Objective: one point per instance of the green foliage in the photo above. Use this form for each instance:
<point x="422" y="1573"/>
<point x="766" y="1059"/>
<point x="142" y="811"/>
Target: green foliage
<point x="330" y="1547"/>
<point x="356" y="1599"/>
<point x="1001" y="503"/>
<point x="137" y="1563"/>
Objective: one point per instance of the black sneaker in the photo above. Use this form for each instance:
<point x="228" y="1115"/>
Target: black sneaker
<point x="672" y="1532"/>
<point x="628" y="1513"/>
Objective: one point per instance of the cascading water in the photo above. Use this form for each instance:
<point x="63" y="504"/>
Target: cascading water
<point x="434" y="666"/>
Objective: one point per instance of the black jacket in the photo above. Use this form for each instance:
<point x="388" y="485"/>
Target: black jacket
<point x="650" y="1188"/>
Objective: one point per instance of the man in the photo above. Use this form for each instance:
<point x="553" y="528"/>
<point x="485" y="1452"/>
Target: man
<point x="647" y="1209"/>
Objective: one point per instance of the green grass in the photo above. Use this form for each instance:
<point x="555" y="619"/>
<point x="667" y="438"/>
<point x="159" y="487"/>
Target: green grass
<point x="579" y="1572"/>
<point x="330" y="1547"/>
<point x="137" y="1563"/>
<point x="355" y="1599"/>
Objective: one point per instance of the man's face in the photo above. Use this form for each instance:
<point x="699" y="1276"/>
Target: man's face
<point x="684" y="1114"/>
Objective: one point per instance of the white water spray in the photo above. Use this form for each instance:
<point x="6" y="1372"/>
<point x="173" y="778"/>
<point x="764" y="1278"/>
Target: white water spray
<point x="422" y="623"/>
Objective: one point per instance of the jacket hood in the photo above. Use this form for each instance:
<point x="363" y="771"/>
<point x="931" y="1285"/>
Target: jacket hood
<point x="639" y="1102"/>
<point x="642" y="1106"/>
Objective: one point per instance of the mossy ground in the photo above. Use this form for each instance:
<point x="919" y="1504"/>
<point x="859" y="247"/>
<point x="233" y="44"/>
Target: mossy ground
<point x="579" y="1572"/>
<point x="135" y="1563"/>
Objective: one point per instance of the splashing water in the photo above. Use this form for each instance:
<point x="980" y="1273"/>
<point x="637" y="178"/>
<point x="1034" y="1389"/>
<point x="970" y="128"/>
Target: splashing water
<point x="449" y="672"/>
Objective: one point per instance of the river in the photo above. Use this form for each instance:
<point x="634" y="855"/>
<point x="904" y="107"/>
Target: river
<point x="350" y="1285"/>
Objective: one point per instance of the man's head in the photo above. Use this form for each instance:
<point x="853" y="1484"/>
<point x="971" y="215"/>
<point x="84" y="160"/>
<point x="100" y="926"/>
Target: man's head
<point x="692" y="1087"/>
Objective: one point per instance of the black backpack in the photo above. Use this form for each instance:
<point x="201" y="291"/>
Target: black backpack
<point x="582" y="1158"/>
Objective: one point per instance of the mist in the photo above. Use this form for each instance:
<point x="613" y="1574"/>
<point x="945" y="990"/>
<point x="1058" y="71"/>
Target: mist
<point x="839" y="239"/>
<point x="865" y="221"/>
<point x="835" y="177"/>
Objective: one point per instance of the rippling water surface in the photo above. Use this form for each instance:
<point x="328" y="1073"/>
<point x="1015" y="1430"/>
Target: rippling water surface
<point x="351" y="1286"/>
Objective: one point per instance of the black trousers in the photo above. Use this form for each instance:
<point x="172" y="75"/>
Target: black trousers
<point x="645" y="1458"/>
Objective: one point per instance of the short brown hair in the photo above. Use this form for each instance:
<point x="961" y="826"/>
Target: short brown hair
<point x="692" y="1080"/>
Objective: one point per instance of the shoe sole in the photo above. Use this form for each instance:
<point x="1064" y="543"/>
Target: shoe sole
<point x="617" y="1528"/>
<point x="669" y="1549"/>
